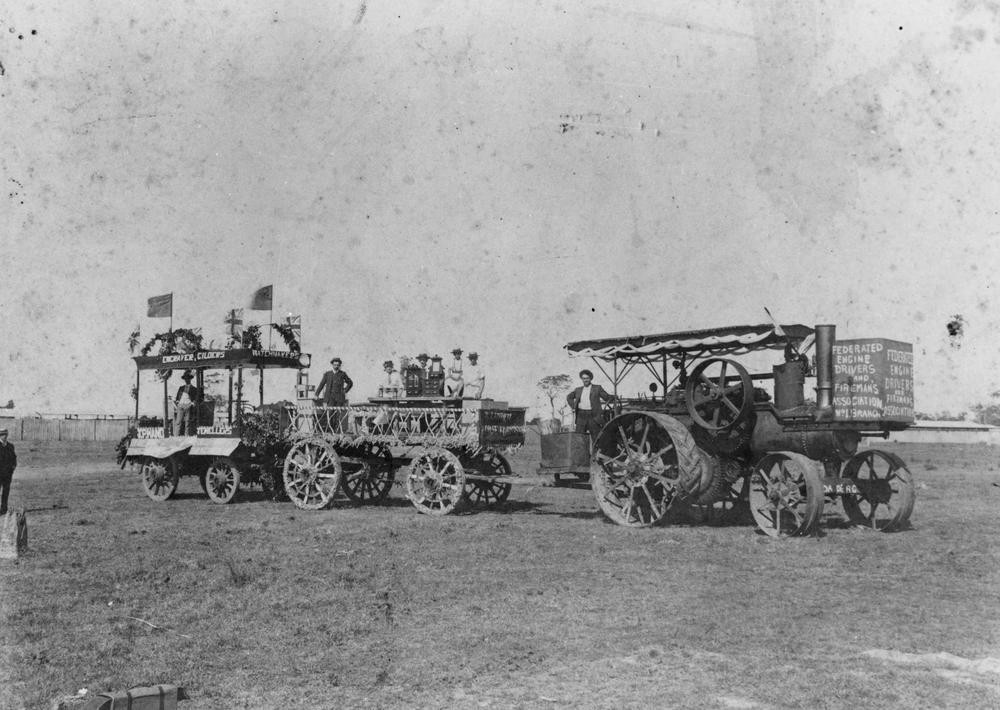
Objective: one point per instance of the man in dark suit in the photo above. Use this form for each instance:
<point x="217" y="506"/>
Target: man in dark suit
<point x="185" y="405"/>
<point x="8" y="462"/>
<point x="586" y="402"/>
<point x="332" y="390"/>
<point x="334" y="386"/>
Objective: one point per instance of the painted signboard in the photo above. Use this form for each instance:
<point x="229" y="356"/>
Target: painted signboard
<point x="873" y="380"/>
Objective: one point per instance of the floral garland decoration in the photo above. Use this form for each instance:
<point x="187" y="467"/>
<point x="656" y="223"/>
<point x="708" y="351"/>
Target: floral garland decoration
<point x="288" y="335"/>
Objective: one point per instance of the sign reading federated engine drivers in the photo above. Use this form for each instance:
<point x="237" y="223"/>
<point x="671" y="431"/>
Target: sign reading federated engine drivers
<point x="873" y="380"/>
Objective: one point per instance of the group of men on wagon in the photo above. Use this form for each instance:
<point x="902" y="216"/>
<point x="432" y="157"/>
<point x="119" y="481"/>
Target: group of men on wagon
<point x="465" y="381"/>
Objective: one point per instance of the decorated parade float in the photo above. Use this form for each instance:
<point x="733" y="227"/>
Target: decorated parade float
<point x="706" y="434"/>
<point x="450" y="450"/>
<point x="226" y="443"/>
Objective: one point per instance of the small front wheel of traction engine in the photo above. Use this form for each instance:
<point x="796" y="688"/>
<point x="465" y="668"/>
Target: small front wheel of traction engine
<point x="786" y="494"/>
<point x="885" y="491"/>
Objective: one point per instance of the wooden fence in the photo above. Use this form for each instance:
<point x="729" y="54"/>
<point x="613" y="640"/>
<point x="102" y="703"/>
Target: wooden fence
<point x="65" y="429"/>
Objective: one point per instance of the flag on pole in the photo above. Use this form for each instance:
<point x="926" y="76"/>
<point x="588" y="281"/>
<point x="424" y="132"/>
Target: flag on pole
<point x="262" y="298"/>
<point x="161" y="306"/>
<point x="295" y="323"/>
<point x="234" y="319"/>
<point x="779" y="331"/>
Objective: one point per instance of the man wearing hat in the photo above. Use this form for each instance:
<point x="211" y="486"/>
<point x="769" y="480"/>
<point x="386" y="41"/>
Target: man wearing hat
<point x="187" y="396"/>
<point x="475" y="378"/>
<point x="334" y="386"/>
<point x="8" y="462"/>
<point x="392" y="386"/>
<point x="454" y="384"/>
<point x="586" y="402"/>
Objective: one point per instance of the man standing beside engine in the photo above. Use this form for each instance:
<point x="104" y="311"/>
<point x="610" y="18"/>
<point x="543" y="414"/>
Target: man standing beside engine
<point x="586" y="402"/>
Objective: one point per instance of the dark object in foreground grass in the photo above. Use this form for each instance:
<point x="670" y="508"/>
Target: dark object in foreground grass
<point x="156" y="697"/>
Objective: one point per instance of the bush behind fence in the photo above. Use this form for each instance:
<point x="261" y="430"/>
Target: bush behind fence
<point x="28" y="429"/>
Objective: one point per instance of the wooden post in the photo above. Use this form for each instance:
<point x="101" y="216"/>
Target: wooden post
<point x="165" y="397"/>
<point x="260" y="373"/>
<point x="13" y="535"/>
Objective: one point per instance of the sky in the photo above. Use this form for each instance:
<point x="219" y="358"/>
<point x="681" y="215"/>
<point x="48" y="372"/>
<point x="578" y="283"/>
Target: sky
<point x="503" y="177"/>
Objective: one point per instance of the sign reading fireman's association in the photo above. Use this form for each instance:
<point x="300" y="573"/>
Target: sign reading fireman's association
<point x="873" y="380"/>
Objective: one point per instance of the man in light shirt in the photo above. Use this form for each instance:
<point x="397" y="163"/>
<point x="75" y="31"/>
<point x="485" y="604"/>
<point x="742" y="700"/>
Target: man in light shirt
<point x="586" y="402"/>
<point x="392" y="385"/>
<point x="475" y="378"/>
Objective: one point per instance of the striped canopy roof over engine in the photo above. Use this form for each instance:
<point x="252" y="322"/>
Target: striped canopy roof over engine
<point x="730" y="340"/>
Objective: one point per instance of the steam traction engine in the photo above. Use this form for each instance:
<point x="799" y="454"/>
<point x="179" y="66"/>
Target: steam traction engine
<point x="715" y="439"/>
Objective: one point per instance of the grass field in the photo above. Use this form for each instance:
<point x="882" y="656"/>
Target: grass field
<point x="541" y="603"/>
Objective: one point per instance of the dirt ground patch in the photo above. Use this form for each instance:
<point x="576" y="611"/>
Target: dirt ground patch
<point x="540" y="603"/>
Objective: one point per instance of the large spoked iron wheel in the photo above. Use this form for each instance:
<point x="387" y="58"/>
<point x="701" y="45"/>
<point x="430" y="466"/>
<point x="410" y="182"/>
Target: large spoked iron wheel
<point x="160" y="478"/>
<point x="719" y="394"/>
<point x="484" y="493"/>
<point x="642" y="462"/>
<point x="368" y="477"/>
<point x="786" y="494"/>
<point x="222" y="480"/>
<point x="312" y="473"/>
<point x="886" y="490"/>
<point x="435" y="483"/>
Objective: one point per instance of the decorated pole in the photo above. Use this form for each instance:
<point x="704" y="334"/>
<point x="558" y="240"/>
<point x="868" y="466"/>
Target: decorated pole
<point x="160" y="307"/>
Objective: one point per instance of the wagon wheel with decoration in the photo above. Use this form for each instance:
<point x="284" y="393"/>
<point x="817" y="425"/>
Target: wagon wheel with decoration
<point x="312" y="473"/>
<point x="714" y="401"/>
<point x="885" y="491"/>
<point x="435" y="482"/>
<point x="786" y="494"/>
<point x="159" y="477"/>
<point x="368" y="474"/>
<point x="642" y="462"/>
<point x="480" y="492"/>
<point x="222" y="479"/>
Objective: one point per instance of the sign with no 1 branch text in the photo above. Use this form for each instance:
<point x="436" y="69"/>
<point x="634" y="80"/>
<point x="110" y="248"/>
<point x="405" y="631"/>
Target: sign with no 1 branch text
<point x="873" y="380"/>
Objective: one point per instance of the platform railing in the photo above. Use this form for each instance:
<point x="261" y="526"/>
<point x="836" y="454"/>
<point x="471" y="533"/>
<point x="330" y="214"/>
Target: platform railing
<point x="390" y="425"/>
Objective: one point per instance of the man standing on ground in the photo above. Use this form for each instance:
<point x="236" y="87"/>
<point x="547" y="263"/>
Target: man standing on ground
<point x="8" y="462"/>
<point x="586" y="402"/>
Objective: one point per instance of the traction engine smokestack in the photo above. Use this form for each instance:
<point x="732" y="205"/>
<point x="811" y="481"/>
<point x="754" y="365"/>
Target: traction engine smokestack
<point x="825" y="335"/>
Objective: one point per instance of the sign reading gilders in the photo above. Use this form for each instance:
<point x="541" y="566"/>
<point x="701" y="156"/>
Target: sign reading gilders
<point x="873" y="380"/>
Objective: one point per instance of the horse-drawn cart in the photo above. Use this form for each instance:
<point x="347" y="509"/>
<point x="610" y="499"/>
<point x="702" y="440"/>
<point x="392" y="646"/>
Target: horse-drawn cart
<point x="452" y="452"/>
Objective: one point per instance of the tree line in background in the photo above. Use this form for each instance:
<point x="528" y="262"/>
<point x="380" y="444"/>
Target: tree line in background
<point x="980" y="413"/>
